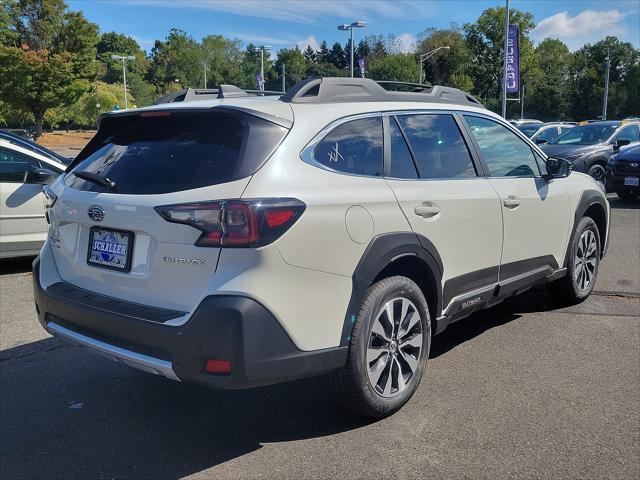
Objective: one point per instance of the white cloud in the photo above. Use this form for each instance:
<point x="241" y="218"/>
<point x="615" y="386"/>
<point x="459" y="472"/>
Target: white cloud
<point x="260" y="39"/>
<point x="309" y="41"/>
<point x="304" y="11"/>
<point x="405" y="43"/>
<point x="587" y="27"/>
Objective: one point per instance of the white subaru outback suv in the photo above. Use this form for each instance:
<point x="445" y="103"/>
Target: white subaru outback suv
<point x="243" y="241"/>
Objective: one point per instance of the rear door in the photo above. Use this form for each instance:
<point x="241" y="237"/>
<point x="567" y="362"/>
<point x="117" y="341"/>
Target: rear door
<point x="446" y="198"/>
<point x="112" y="241"/>
<point x="536" y="211"/>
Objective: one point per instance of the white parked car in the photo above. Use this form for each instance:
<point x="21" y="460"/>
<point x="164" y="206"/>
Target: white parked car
<point x="550" y="131"/>
<point x="244" y="241"/>
<point x="23" y="173"/>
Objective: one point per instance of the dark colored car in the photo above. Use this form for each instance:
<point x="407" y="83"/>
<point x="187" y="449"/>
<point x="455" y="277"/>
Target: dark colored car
<point x="623" y="173"/>
<point x="589" y="146"/>
<point x="23" y="142"/>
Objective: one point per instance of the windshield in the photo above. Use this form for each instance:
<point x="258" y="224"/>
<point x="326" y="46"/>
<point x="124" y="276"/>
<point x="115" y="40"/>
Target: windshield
<point x="170" y="152"/>
<point x="585" y="135"/>
<point x="529" y="128"/>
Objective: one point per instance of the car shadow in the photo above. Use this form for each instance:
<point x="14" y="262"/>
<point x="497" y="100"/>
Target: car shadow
<point x="67" y="413"/>
<point x="10" y="266"/>
<point x="534" y="300"/>
<point x="625" y="204"/>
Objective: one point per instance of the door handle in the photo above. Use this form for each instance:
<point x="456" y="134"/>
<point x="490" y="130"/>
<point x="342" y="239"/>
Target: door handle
<point x="511" y="201"/>
<point x="427" y="210"/>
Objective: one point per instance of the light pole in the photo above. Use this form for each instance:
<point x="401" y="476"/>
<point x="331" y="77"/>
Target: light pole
<point x="124" y="59"/>
<point x="262" y="49"/>
<point x="204" y="65"/>
<point x="424" y="57"/>
<point x="284" y="78"/>
<point x="606" y="86"/>
<point x="344" y="27"/>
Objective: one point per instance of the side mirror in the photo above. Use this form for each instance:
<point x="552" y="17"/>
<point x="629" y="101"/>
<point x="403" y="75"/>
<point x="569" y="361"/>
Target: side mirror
<point x="42" y="176"/>
<point x="558" y="168"/>
<point x="621" y="142"/>
<point x="540" y="141"/>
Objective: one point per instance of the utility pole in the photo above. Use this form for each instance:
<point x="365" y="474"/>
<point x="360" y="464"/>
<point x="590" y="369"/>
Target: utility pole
<point x="262" y="49"/>
<point x="522" y="101"/>
<point x="204" y="64"/>
<point x="284" y="78"/>
<point x="504" y="73"/>
<point x="606" y="86"/>
<point x="426" y="56"/>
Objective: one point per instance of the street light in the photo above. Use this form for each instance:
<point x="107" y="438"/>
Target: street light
<point x="124" y="59"/>
<point x="425" y="56"/>
<point x="344" y="27"/>
<point x="262" y="49"/>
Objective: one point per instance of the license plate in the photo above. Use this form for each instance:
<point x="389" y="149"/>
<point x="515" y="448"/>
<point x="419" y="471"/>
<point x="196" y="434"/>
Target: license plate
<point x="632" y="181"/>
<point x="110" y="248"/>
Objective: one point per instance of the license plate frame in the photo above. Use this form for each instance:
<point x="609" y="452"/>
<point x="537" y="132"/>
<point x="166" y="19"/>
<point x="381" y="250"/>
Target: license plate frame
<point x="92" y="254"/>
<point x="631" y="181"/>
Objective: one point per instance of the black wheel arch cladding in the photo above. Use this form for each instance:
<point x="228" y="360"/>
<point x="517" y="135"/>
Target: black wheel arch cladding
<point x="382" y="251"/>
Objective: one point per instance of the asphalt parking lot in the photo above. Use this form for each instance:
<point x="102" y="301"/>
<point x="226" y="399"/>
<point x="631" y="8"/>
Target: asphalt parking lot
<point x="522" y="390"/>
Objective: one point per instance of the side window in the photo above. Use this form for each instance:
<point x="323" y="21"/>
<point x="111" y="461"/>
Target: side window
<point x="438" y="146"/>
<point x="505" y="154"/>
<point x="549" y="134"/>
<point x="401" y="162"/>
<point x="353" y="147"/>
<point x="630" y="132"/>
<point x="15" y="167"/>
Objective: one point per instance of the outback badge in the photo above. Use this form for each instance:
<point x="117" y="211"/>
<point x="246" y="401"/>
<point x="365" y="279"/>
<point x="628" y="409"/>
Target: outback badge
<point x="95" y="213"/>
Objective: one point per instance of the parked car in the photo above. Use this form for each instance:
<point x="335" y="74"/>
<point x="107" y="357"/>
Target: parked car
<point x="527" y="126"/>
<point x="550" y="131"/>
<point x="245" y="241"/>
<point x="23" y="228"/>
<point x="24" y="142"/>
<point x="623" y="173"/>
<point x="590" y="145"/>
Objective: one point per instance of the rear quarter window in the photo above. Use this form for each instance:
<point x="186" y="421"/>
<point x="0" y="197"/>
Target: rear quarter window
<point x="179" y="151"/>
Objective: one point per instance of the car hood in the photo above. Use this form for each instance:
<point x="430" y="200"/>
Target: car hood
<point x="563" y="151"/>
<point x="628" y="154"/>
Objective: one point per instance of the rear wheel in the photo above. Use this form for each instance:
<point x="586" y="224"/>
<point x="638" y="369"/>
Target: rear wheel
<point x="582" y="265"/>
<point x="388" y="350"/>
<point x="628" y="194"/>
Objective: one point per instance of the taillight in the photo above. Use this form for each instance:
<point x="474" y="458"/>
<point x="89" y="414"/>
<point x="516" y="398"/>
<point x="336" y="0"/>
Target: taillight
<point x="236" y="223"/>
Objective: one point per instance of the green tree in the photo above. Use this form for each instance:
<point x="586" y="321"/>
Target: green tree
<point x="549" y="100"/>
<point x="445" y="67"/>
<point x="485" y="42"/>
<point x="295" y="67"/>
<point x="310" y="54"/>
<point x="325" y="70"/>
<point x="180" y="58"/>
<point x="223" y="58"/>
<point x="52" y="60"/>
<point x="337" y="56"/>
<point x="324" y="54"/>
<point x="399" y="67"/>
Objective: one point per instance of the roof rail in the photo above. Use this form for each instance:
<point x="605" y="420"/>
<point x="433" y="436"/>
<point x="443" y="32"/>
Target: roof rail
<point x="224" y="91"/>
<point x="342" y="89"/>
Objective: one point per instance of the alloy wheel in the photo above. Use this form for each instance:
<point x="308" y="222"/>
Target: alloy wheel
<point x="585" y="261"/>
<point x="394" y="347"/>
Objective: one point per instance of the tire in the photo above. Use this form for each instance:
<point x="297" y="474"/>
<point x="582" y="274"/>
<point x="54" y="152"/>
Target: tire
<point x="384" y="367"/>
<point x="597" y="172"/>
<point x="629" y="194"/>
<point x="582" y="265"/>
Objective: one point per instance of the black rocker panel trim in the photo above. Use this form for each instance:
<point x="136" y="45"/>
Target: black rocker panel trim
<point x="381" y="251"/>
<point x="521" y="267"/>
<point x="469" y="282"/>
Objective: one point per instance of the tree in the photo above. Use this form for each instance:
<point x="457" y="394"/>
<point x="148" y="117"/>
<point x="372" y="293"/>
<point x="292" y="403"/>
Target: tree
<point x="325" y="70"/>
<point x="52" y="60"/>
<point x="178" y="57"/>
<point x="295" y="66"/>
<point x="485" y="41"/>
<point x="324" y="54"/>
<point x="549" y="100"/>
<point x="223" y="59"/>
<point x="310" y="54"/>
<point x="398" y="67"/>
<point x="447" y="67"/>
<point x="337" y="56"/>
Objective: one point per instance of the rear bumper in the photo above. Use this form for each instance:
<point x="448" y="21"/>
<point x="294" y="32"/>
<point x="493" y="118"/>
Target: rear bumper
<point x="233" y="328"/>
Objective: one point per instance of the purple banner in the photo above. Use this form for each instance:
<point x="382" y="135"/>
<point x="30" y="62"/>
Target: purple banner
<point x="361" y="65"/>
<point x="260" y="82"/>
<point x="513" y="60"/>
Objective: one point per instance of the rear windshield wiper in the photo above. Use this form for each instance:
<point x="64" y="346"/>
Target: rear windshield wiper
<point x="97" y="179"/>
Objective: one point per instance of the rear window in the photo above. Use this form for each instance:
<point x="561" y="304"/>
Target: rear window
<point x="179" y="151"/>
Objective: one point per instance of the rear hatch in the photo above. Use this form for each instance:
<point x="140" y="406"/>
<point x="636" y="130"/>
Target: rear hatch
<point x="108" y="236"/>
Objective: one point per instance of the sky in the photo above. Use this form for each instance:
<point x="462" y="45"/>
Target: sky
<point x="286" y="23"/>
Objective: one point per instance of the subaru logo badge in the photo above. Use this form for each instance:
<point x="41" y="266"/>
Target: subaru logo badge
<point x="95" y="213"/>
<point x="633" y="165"/>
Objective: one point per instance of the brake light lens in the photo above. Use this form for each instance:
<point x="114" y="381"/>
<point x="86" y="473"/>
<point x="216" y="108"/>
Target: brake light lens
<point x="236" y="223"/>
